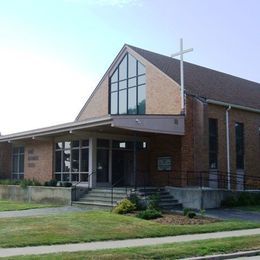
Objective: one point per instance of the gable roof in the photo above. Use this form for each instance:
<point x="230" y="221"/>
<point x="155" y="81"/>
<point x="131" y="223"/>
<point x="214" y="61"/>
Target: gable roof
<point x="206" y="83"/>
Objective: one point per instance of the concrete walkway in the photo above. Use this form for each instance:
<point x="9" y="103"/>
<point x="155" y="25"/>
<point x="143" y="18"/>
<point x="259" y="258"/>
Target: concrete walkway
<point x="39" y="212"/>
<point x="36" y="250"/>
<point x="234" y="214"/>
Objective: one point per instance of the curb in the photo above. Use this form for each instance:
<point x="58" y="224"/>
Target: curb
<point x="227" y="256"/>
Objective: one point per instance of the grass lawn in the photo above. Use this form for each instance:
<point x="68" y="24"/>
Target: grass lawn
<point x="7" y="205"/>
<point x="94" y="226"/>
<point x="166" y="251"/>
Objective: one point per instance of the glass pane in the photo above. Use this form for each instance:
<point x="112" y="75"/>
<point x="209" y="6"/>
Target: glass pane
<point x="122" y="102"/>
<point x="141" y="100"/>
<point x="59" y="145"/>
<point x="122" y="84"/>
<point x="65" y="177"/>
<point x="113" y="103"/>
<point x="131" y="66"/>
<point x="74" y="177"/>
<point x="75" y="160"/>
<point x="102" y="165"/>
<point x="66" y="161"/>
<point x="103" y="143"/>
<point x="141" y="68"/>
<point x="21" y="163"/>
<point x="114" y="87"/>
<point x="84" y="160"/>
<point x="58" y="177"/>
<point x="114" y="77"/>
<point x="132" y="101"/>
<point x="15" y="176"/>
<point x="15" y="163"/>
<point x="141" y="80"/>
<point x="85" y="143"/>
<point x="21" y="149"/>
<point x="15" y="150"/>
<point x="123" y="69"/>
<point x="75" y="144"/>
<point x="132" y="82"/>
<point x="58" y="161"/>
<point x="84" y="177"/>
<point x="66" y="145"/>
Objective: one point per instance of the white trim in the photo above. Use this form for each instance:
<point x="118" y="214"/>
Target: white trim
<point x="221" y="103"/>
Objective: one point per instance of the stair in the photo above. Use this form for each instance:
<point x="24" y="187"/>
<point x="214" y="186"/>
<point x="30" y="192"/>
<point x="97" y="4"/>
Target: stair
<point x="166" y="200"/>
<point x="100" y="198"/>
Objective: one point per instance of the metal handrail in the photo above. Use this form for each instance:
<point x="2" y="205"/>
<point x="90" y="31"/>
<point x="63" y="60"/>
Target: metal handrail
<point x="112" y="189"/>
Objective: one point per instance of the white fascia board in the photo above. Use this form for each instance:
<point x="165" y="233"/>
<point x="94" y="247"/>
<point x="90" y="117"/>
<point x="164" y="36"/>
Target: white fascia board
<point x="220" y="103"/>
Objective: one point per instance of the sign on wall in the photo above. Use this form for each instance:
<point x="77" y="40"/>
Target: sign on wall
<point x="164" y="163"/>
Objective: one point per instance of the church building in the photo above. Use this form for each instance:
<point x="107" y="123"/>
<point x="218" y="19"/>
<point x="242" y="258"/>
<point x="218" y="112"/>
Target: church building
<point x="134" y="130"/>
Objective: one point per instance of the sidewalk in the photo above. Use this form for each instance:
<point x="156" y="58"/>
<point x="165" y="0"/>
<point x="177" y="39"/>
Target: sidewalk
<point x="36" y="250"/>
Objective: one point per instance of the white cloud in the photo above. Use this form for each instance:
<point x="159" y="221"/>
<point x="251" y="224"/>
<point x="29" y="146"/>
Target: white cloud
<point x="37" y="91"/>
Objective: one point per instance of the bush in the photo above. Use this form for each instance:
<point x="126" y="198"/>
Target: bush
<point x="149" y="214"/>
<point x="189" y="213"/>
<point x="186" y="211"/>
<point x="124" y="206"/>
<point x="137" y="201"/>
<point x="51" y="183"/>
<point x="28" y="182"/>
<point x="243" y="199"/>
<point x="153" y="202"/>
<point x="9" y="182"/>
<point x="66" y="184"/>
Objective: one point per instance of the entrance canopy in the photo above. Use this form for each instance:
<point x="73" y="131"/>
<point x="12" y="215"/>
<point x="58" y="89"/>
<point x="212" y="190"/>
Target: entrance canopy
<point x="165" y="124"/>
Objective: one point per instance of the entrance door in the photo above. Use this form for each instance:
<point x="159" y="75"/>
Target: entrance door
<point x="122" y="168"/>
<point x="102" y="166"/>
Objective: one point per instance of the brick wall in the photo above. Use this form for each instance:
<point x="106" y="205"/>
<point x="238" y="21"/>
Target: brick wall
<point x="160" y="89"/>
<point x="5" y="160"/>
<point x="38" y="160"/>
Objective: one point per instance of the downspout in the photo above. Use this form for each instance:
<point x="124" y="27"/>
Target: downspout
<point x="228" y="146"/>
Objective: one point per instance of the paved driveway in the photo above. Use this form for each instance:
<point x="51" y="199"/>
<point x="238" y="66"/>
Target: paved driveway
<point x="233" y="214"/>
<point x="39" y="212"/>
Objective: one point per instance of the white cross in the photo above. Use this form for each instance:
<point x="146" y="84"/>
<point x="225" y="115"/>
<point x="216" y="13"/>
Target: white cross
<point x="180" y="53"/>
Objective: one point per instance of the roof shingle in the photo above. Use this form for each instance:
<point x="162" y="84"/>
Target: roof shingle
<point x="207" y="83"/>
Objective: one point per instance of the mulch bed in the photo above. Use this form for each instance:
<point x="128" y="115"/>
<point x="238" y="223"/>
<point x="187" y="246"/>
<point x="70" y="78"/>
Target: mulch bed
<point x="179" y="219"/>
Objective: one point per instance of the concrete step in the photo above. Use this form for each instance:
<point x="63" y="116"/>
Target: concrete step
<point x="98" y="205"/>
<point x="108" y="191"/>
<point x="94" y="199"/>
<point x="171" y="200"/>
<point x="107" y="195"/>
<point x="100" y="196"/>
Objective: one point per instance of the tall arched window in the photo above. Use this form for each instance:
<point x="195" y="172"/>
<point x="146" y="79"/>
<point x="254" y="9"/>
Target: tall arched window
<point x="128" y="88"/>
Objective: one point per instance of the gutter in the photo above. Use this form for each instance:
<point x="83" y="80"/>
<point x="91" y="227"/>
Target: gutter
<point x="220" y="103"/>
<point x="228" y="145"/>
<point x="56" y="129"/>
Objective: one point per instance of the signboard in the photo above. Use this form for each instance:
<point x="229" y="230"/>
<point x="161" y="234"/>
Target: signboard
<point x="164" y="163"/>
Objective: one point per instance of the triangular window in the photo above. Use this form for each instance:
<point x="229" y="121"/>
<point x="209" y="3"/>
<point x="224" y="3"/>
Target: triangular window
<point x="127" y="87"/>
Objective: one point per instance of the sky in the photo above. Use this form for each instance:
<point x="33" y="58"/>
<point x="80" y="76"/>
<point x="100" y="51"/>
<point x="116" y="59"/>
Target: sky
<point x="54" y="52"/>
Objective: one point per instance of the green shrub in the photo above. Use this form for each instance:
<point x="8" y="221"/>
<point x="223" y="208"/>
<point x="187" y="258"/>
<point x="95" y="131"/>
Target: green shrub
<point x="186" y="211"/>
<point x="191" y="214"/>
<point x="51" y="183"/>
<point x="66" y="184"/>
<point x="124" y="206"/>
<point x="243" y="199"/>
<point x="137" y="201"/>
<point x="9" y="182"/>
<point x="149" y="214"/>
<point x="153" y="202"/>
<point x="28" y="182"/>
